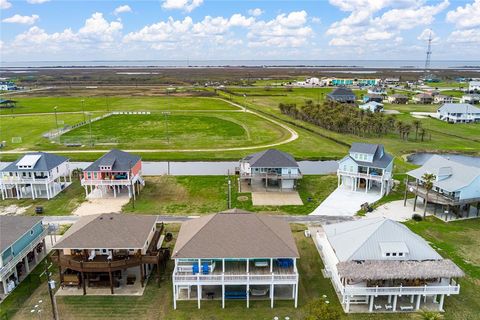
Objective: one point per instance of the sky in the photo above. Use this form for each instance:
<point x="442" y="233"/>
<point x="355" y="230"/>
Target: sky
<point x="68" y="30"/>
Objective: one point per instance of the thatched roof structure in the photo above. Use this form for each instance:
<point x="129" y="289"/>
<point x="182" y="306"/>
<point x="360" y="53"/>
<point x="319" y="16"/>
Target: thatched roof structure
<point x="398" y="269"/>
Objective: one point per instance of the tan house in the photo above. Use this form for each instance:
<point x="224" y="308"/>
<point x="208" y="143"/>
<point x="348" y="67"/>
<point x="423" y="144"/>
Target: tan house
<point x="235" y="255"/>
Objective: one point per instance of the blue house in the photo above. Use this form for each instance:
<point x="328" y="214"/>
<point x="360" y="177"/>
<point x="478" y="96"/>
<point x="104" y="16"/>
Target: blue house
<point x="22" y="247"/>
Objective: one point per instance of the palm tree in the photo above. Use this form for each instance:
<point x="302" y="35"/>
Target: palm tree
<point x="417" y="124"/>
<point x="428" y="179"/>
<point x="422" y="134"/>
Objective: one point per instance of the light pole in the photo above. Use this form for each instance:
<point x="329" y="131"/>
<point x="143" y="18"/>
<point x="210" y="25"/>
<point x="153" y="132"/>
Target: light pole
<point x="56" y="119"/>
<point x="90" y="127"/>
<point x="83" y="109"/>
<point x="166" y="114"/>
<point x="51" y="286"/>
<point x="245" y="102"/>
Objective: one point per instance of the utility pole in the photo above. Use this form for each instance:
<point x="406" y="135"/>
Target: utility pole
<point x="56" y="119"/>
<point x="131" y="185"/>
<point x="90" y="127"/>
<point x="429" y="55"/>
<point x="51" y="286"/>
<point x="245" y="102"/>
<point x="83" y="109"/>
<point x="229" y="199"/>
<point x="166" y="114"/>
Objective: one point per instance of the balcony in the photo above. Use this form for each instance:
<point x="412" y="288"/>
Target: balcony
<point x="19" y="256"/>
<point x="270" y="175"/>
<point x="373" y="177"/>
<point x="438" y="197"/>
<point x="106" y="182"/>
<point x="23" y="180"/>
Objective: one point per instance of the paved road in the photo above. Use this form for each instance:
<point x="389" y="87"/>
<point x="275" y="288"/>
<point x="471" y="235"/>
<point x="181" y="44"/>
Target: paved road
<point x="317" y="219"/>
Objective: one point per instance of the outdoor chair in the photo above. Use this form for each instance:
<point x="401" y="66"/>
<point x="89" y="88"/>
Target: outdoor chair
<point x="388" y="307"/>
<point x="285" y="263"/>
<point x="378" y="307"/>
<point x="195" y="269"/>
<point x="205" y="268"/>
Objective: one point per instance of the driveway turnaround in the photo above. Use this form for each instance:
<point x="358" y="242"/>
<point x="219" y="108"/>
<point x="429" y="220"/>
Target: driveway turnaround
<point x="344" y="202"/>
<point x="276" y="199"/>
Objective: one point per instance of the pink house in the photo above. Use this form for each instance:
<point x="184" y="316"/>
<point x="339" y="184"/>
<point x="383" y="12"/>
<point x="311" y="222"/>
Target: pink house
<point x="114" y="173"/>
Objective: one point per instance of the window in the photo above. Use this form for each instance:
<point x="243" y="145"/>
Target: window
<point x="387" y="254"/>
<point x="394" y="254"/>
<point x="400" y="254"/>
<point x="31" y="232"/>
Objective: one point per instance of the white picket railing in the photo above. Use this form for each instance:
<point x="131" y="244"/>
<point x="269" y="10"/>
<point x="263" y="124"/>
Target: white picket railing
<point x="235" y="278"/>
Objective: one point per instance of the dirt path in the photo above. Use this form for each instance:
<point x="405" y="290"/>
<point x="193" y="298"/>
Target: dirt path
<point x="293" y="137"/>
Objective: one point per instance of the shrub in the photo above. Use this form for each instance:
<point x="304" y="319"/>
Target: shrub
<point x="320" y="310"/>
<point x="417" y="217"/>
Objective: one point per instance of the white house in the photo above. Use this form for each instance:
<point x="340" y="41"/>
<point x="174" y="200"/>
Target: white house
<point x="474" y="86"/>
<point x="456" y="186"/>
<point x="367" y="166"/>
<point x="441" y="98"/>
<point x="35" y="175"/>
<point x="270" y="168"/>
<point x="235" y="255"/>
<point x="470" y="98"/>
<point x="458" y="113"/>
<point x="379" y="265"/>
<point x="372" y="106"/>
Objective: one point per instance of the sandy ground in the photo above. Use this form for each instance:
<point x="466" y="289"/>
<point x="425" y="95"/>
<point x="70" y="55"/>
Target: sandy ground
<point x="423" y="115"/>
<point x="344" y="202"/>
<point x="96" y="206"/>
<point x="396" y="211"/>
<point x="391" y="112"/>
<point x="276" y="199"/>
<point x="13" y="210"/>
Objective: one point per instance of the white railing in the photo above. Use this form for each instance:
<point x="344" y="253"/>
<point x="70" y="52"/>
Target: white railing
<point x="270" y="175"/>
<point x="106" y="182"/>
<point x="18" y="180"/>
<point x="426" y="289"/>
<point x="19" y="256"/>
<point x="235" y="278"/>
<point x="386" y="176"/>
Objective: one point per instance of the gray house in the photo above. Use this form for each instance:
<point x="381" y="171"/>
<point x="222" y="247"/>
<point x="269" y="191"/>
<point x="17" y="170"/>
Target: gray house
<point x="367" y="166"/>
<point x="342" y="95"/>
<point x="272" y="168"/>
<point x="456" y="186"/>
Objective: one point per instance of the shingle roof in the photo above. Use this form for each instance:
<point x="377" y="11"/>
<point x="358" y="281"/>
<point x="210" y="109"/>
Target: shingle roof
<point x="458" y="108"/>
<point x="454" y="175"/>
<point x="46" y="162"/>
<point x="271" y="158"/>
<point x="424" y="96"/>
<point x="361" y="239"/>
<point x="381" y="159"/>
<point x="399" y="96"/>
<point x="121" y="161"/>
<point x="341" y="91"/>
<point x="108" y="230"/>
<point x="13" y="227"/>
<point x="235" y="235"/>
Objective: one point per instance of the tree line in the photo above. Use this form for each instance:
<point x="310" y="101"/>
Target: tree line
<point x="346" y="118"/>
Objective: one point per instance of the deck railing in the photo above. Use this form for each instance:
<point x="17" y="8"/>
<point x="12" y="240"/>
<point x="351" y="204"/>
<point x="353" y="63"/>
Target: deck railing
<point x="386" y="176"/>
<point x="270" y="175"/>
<point x="20" y="180"/>
<point x="106" y="182"/>
<point x="19" y="256"/>
<point x="426" y="289"/>
<point x="235" y="278"/>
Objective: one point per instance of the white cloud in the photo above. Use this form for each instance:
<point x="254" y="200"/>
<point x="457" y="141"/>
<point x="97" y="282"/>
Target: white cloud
<point x="316" y="20"/>
<point x="97" y="33"/>
<point x="255" y="12"/>
<point x="283" y="31"/>
<point x="4" y="4"/>
<point x="37" y="1"/>
<point x="374" y="22"/>
<point x="184" y="5"/>
<point x="122" y="9"/>
<point x="466" y="37"/>
<point x="426" y="34"/>
<point x="465" y="17"/>
<point x="22" y="19"/>
<point x="237" y="20"/>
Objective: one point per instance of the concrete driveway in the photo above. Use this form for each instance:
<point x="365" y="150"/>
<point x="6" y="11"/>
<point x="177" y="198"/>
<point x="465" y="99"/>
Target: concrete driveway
<point x="344" y="202"/>
<point x="276" y="199"/>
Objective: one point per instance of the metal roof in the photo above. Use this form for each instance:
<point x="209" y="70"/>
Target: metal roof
<point x="13" y="228"/>
<point x="271" y="158"/>
<point x="342" y="91"/>
<point x="453" y="175"/>
<point x="120" y="161"/>
<point x="109" y="231"/>
<point x="360" y="147"/>
<point x="235" y="235"/>
<point x="458" y="108"/>
<point x="381" y="159"/>
<point x="361" y="239"/>
<point x="46" y="162"/>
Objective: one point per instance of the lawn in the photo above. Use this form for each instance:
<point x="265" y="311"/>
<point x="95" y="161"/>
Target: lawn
<point x="102" y="104"/>
<point x="62" y="205"/>
<point x="179" y="195"/>
<point x="179" y="130"/>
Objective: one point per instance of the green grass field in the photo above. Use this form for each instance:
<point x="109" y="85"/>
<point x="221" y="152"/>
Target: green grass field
<point x="102" y="104"/>
<point x="180" y="130"/>
<point x="180" y="195"/>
